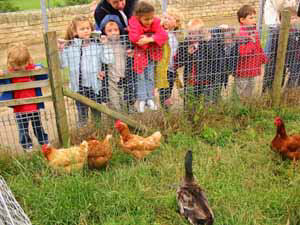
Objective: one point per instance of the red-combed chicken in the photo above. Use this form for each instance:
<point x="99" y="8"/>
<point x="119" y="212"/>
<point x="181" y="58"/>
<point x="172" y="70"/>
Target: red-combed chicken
<point x="66" y="159"/>
<point x="286" y="146"/>
<point x="135" y="145"/>
<point x="99" y="152"/>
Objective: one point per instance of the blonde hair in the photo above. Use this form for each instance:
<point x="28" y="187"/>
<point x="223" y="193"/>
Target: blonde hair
<point x="176" y="15"/>
<point x="71" y="30"/>
<point x="195" y="24"/>
<point x="18" y="55"/>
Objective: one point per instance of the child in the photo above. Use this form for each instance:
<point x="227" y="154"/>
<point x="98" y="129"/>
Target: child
<point x="148" y="37"/>
<point x="202" y="55"/>
<point x="110" y="26"/>
<point x="293" y="52"/>
<point x="251" y="54"/>
<point x="171" y="23"/>
<point x="19" y="59"/>
<point x="84" y="58"/>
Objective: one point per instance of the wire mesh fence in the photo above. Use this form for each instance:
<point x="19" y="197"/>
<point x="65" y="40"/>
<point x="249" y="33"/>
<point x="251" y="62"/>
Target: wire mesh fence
<point x="204" y="66"/>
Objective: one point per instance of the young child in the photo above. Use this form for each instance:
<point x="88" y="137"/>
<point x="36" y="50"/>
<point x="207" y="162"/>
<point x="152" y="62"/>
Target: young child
<point x="202" y="55"/>
<point x="84" y="58"/>
<point x="110" y="26"/>
<point x="171" y="23"/>
<point x="293" y="52"/>
<point x="251" y="54"/>
<point x="148" y="37"/>
<point x="19" y="59"/>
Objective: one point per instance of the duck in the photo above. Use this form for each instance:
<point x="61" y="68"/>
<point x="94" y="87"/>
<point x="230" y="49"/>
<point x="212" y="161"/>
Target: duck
<point x="191" y="199"/>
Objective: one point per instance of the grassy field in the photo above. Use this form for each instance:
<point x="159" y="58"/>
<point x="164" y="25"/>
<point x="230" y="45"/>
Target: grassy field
<point x="35" y="4"/>
<point x="246" y="183"/>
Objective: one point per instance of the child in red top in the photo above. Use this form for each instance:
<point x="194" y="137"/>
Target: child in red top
<point x="148" y="37"/>
<point x="251" y="53"/>
<point x="19" y="58"/>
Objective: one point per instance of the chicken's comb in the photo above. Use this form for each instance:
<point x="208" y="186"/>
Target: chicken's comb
<point x="118" y="123"/>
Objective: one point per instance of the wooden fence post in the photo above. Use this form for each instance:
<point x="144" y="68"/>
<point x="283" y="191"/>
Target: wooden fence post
<point x="56" y="83"/>
<point x="280" y="59"/>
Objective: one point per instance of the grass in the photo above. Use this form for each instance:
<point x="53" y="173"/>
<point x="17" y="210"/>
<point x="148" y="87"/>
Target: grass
<point x="35" y="4"/>
<point x="246" y="183"/>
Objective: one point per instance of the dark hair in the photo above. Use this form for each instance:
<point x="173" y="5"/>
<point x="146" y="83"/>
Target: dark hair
<point x="245" y="11"/>
<point x="143" y="8"/>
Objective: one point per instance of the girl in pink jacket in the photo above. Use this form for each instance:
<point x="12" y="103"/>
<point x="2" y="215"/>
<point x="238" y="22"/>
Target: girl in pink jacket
<point x="148" y="36"/>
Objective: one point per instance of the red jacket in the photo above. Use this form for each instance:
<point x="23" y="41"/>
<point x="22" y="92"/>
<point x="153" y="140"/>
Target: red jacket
<point x="28" y="93"/>
<point x="252" y="55"/>
<point x="160" y="36"/>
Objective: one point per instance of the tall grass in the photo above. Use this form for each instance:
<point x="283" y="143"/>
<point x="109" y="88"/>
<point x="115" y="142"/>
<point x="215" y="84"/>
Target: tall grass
<point x="245" y="182"/>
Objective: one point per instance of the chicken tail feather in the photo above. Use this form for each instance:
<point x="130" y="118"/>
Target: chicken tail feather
<point x="189" y="166"/>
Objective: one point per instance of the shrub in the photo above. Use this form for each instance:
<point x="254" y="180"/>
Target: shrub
<point x="7" y="6"/>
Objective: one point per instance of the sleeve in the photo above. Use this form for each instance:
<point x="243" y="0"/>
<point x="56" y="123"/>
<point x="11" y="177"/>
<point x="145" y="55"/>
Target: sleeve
<point x="247" y="49"/>
<point x="135" y="31"/>
<point x="271" y="15"/>
<point x="63" y="57"/>
<point x="106" y="55"/>
<point x="181" y="56"/>
<point x="99" y="14"/>
<point x="160" y="36"/>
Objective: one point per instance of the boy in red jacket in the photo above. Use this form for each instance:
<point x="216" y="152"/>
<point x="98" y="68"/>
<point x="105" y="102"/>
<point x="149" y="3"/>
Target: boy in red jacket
<point x="19" y="58"/>
<point x="251" y="54"/>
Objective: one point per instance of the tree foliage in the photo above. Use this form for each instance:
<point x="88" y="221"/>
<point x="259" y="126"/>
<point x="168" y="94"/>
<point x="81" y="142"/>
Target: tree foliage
<point x="7" y="6"/>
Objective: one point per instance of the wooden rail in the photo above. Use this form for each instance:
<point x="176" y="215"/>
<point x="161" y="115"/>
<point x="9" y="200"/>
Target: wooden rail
<point x="31" y="73"/>
<point x="24" y="85"/>
<point x="45" y="98"/>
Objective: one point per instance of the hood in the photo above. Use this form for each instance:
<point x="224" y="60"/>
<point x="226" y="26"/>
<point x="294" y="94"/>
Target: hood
<point x="109" y="18"/>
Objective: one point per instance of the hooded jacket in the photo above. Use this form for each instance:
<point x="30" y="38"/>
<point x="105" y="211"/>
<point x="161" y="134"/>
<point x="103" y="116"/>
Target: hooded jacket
<point x="104" y="8"/>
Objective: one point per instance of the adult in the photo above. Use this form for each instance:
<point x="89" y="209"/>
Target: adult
<point x="122" y="8"/>
<point x="272" y="10"/>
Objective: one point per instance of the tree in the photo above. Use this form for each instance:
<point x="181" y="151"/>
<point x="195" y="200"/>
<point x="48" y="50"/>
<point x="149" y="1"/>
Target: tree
<point x="7" y="6"/>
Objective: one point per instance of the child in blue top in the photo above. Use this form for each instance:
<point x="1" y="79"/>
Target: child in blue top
<point x="84" y="58"/>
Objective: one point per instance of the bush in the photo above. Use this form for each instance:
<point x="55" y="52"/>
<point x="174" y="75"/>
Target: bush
<point x="7" y="6"/>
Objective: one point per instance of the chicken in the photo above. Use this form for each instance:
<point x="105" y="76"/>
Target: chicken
<point x="135" y="145"/>
<point x="99" y="152"/>
<point x="66" y="159"/>
<point x="191" y="199"/>
<point x="286" y="146"/>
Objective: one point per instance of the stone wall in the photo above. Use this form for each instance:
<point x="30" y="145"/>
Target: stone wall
<point x="27" y="26"/>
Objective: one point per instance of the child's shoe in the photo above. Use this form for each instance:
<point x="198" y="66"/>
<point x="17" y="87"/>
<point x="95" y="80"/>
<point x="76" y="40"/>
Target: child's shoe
<point x="141" y="107"/>
<point x="151" y="104"/>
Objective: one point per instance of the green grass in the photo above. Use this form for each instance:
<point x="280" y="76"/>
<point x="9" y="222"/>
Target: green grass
<point x="245" y="182"/>
<point x="35" y="4"/>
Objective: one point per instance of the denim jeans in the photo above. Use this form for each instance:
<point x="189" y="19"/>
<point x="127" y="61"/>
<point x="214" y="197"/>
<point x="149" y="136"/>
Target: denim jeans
<point x="271" y="52"/>
<point x="23" y="124"/>
<point x="83" y="109"/>
<point x="145" y="83"/>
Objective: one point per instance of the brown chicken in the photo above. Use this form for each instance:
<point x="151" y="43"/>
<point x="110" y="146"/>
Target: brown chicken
<point x="66" y="159"/>
<point x="286" y="146"/>
<point x="135" y="145"/>
<point x="99" y="152"/>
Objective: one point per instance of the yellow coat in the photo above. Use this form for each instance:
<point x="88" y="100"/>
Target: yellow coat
<point x="161" y="70"/>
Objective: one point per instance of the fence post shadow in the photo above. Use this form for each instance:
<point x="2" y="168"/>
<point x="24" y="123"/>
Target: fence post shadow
<point x="56" y="83"/>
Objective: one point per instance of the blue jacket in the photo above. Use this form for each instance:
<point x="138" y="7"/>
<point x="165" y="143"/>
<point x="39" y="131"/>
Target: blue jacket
<point x="90" y="63"/>
<point x="8" y="95"/>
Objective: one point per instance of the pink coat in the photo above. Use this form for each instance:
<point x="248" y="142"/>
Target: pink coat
<point x="160" y="36"/>
<point x="252" y="55"/>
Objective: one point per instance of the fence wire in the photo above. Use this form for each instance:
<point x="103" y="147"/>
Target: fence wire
<point x="204" y="66"/>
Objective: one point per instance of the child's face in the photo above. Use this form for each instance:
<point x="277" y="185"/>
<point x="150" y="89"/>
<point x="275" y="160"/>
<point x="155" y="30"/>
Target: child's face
<point x="249" y="20"/>
<point x="112" y="31"/>
<point x="169" y="22"/>
<point x="147" y="19"/>
<point x="83" y="29"/>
